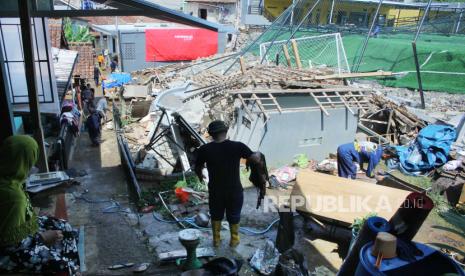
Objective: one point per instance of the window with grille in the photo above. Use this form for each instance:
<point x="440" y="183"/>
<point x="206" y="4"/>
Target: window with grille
<point x="129" y="50"/>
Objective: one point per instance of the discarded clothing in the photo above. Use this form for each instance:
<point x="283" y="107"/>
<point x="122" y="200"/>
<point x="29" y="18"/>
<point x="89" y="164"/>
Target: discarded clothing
<point x="346" y="158"/>
<point x="259" y="177"/>
<point x="31" y="255"/>
<point x="327" y="165"/>
<point x="430" y="149"/>
<point x="285" y="174"/>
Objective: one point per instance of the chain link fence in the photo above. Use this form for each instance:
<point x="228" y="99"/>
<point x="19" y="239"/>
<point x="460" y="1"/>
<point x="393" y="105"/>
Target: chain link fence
<point x="376" y="35"/>
<point x="318" y="51"/>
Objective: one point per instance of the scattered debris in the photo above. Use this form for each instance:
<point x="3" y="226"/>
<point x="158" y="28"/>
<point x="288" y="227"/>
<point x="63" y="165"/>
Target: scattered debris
<point x="120" y="266"/>
<point x="265" y="259"/>
<point x="141" y="268"/>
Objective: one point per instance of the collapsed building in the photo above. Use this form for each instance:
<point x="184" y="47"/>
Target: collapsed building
<point x="168" y="108"/>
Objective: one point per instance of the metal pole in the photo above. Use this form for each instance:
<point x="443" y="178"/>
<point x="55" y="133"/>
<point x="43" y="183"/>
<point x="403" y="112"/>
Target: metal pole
<point x="245" y="50"/>
<point x="331" y="14"/>
<point x="458" y="22"/>
<point x="338" y="55"/>
<point x="29" y="66"/>
<point x="276" y="35"/>
<point x="425" y="14"/>
<point x="365" y="43"/>
<point x="6" y="114"/>
<point x="417" y="67"/>
<point x="292" y="13"/>
<point x="301" y="23"/>
<point x="415" y="55"/>
<point x="118" y="52"/>
<point x="292" y="34"/>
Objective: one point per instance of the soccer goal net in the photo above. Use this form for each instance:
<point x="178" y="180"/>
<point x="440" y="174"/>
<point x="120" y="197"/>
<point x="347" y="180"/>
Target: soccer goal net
<point x="314" y="51"/>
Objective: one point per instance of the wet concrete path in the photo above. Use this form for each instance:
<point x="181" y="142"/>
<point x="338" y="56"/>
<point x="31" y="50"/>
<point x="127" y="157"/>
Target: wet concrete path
<point x="109" y="237"/>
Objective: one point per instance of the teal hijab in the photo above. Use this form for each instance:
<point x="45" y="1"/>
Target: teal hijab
<point x="17" y="220"/>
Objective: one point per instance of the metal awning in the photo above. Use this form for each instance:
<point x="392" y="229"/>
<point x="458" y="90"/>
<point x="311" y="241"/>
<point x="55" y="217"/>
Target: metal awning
<point x="64" y="62"/>
<point x="117" y="8"/>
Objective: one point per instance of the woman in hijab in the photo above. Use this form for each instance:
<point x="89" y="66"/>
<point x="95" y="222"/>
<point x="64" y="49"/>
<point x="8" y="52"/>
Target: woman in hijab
<point x="28" y="243"/>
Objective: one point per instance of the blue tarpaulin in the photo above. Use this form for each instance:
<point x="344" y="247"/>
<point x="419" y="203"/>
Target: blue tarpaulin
<point x="116" y="80"/>
<point x="430" y="149"/>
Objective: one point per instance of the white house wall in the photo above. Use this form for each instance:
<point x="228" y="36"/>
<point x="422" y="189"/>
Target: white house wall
<point x="308" y="132"/>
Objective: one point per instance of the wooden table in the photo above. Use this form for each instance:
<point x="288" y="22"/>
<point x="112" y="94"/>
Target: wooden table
<point x="342" y="200"/>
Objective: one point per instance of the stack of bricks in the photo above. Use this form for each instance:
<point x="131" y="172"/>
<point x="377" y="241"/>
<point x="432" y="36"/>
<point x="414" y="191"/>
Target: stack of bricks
<point x="55" y="26"/>
<point x="86" y="60"/>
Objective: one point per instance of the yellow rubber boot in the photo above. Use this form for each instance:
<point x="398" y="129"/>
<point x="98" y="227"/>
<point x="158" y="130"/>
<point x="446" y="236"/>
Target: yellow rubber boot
<point x="235" y="238"/>
<point x="216" y="227"/>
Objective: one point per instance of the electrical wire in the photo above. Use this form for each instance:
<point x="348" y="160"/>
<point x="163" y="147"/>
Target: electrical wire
<point x="244" y="230"/>
<point x="91" y="200"/>
<point x="115" y="206"/>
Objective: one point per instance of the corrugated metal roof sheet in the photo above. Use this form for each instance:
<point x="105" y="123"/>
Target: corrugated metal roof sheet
<point x="63" y="64"/>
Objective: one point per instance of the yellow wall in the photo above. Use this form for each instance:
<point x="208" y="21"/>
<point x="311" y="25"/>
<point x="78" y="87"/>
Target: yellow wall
<point x="276" y="7"/>
<point x="404" y="15"/>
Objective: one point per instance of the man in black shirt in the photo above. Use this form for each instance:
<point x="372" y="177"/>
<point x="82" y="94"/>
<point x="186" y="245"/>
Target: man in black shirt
<point x="97" y="75"/>
<point x="222" y="157"/>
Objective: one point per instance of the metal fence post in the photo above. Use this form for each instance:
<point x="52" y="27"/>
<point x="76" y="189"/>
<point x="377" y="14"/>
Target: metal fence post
<point x="29" y="66"/>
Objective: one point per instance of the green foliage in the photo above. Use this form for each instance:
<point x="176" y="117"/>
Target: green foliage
<point x="76" y="33"/>
<point x="301" y="160"/>
<point x="358" y="222"/>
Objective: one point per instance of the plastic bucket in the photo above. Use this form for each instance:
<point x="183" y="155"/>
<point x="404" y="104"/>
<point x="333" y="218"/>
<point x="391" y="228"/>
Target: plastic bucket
<point x="433" y="262"/>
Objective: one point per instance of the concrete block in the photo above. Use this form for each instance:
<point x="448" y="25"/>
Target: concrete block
<point x="135" y="91"/>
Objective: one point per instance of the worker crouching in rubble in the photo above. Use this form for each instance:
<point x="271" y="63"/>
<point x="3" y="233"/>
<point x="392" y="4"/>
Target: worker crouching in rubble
<point x="30" y="243"/>
<point x="361" y="152"/>
<point x="222" y="157"/>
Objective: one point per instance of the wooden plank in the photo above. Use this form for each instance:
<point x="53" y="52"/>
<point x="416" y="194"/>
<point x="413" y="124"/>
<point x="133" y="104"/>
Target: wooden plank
<point x="462" y="196"/>
<point x="246" y="109"/>
<point x="295" y="49"/>
<point x="356" y="101"/>
<point x="242" y="63"/>
<point x="275" y="102"/>
<point x="345" y="103"/>
<point x="373" y="121"/>
<point x="353" y="75"/>
<point x="321" y="106"/>
<point x="249" y="99"/>
<point x="303" y="91"/>
<point x="286" y="55"/>
<point x="318" y="190"/>
<point x="388" y="129"/>
<point x="329" y="99"/>
<point x="259" y="103"/>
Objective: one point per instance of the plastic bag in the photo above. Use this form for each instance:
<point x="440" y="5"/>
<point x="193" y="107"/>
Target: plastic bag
<point x="265" y="259"/>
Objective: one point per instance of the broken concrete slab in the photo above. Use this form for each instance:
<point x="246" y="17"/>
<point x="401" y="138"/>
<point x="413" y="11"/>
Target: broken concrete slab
<point x="136" y="91"/>
<point x="176" y="254"/>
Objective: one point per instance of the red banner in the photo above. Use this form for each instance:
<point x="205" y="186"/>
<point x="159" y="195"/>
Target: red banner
<point x="179" y="44"/>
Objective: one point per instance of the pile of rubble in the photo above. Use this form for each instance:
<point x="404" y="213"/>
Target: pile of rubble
<point x="199" y="96"/>
<point x="391" y="120"/>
